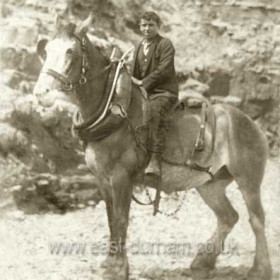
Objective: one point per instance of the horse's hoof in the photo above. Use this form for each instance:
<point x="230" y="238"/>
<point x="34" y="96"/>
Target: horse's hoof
<point x="115" y="268"/>
<point x="112" y="274"/>
<point x="264" y="273"/>
<point x="203" y="262"/>
<point x="199" y="274"/>
<point x="202" y="265"/>
<point x="107" y="262"/>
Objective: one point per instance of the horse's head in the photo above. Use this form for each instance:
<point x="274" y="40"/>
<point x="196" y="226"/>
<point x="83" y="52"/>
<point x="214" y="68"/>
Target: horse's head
<point x="63" y="58"/>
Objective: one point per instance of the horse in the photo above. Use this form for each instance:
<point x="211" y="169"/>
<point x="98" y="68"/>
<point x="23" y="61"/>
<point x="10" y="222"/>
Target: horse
<point x="73" y="65"/>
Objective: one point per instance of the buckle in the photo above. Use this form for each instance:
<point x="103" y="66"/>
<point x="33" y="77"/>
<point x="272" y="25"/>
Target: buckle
<point x="68" y="87"/>
<point x="83" y="80"/>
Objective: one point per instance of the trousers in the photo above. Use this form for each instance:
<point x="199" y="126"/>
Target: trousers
<point x="158" y="109"/>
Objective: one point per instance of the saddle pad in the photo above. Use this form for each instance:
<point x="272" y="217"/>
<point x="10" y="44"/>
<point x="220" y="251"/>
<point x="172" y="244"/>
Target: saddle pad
<point x="182" y="133"/>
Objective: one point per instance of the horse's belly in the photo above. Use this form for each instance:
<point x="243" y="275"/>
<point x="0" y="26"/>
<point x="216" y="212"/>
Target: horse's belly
<point x="176" y="178"/>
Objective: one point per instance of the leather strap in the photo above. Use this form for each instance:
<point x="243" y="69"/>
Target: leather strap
<point x="93" y="118"/>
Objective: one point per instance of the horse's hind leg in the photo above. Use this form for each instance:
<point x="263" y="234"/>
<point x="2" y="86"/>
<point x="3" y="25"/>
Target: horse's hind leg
<point x="214" y="196"/>
<point x="250" y="189"/>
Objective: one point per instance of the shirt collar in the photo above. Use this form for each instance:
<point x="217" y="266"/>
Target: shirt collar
<point x="144" y="42"/>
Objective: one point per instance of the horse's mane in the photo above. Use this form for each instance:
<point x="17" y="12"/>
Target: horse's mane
<point x="65" y="31"/>
<point x="68" y="31"/>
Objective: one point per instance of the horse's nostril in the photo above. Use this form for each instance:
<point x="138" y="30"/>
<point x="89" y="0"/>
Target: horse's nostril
<point x="47" y="90"/>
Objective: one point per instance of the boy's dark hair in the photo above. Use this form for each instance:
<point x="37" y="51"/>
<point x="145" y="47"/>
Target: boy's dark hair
<point x="151" y="16"/>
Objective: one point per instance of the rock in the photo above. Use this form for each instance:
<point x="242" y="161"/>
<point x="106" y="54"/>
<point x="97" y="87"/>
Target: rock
<point x="20" y="31"/>
<point x="220" y="25"/>
<point x="11" y="78"/>
<point x="240" y="36"/>
<point x="25" y="105"/>
<point x="7" y="98"/>
<point x="8" y="57"/>
<point x="231" y="100"/>
<point x="91" y="203"/>
<point x="48" y="117"/>
<point x="23" y="59"/>
<point x="5" y="11"/>
<point x="29" y="63"/>
<point x="195" y="86"/>
<point x="89" y="194"/>
<point x="81" y="205"/>
<point x="26" y="87"/>
<point x="152" y="272"/>
<point x="189" y="93"/>
<point x="12" y="139"/>
<point x="17" y="215"/>
<point x="15" y="188"/>
<point x="219" y="82"/>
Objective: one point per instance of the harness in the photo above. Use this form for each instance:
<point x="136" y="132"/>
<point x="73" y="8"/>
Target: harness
<point x="90" y="126"/>
<point x="114" y="67"/>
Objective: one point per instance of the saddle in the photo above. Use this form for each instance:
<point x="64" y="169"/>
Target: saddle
<point x="189" y="142"/>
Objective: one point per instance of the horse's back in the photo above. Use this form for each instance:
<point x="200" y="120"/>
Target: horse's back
<point x="230" y="138"/>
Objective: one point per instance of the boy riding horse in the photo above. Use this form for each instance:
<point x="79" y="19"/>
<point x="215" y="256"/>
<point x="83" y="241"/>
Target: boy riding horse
<point x="153" y="69"/>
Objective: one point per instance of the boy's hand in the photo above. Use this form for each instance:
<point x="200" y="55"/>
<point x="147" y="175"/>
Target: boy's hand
<point x="137" y="82"/>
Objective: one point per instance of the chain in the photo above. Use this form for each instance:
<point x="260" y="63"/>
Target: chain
<point x="173" y="213"/>
<point x="131" y="129"/>
<point x="83" y="79"/>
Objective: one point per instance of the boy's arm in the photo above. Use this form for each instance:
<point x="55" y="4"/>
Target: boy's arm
<point x="164" y="68"/>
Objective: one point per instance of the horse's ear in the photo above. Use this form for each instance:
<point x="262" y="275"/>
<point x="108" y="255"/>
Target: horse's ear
<point x="58" y="21"/>
<point x="41" y="49"/>
<point x="83" y="26"/>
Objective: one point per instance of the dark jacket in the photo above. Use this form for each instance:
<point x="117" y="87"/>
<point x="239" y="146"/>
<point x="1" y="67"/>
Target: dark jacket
<point x="160" y="75"/>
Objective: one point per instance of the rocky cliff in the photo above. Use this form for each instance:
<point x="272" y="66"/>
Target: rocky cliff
<point x="231" y="47"/>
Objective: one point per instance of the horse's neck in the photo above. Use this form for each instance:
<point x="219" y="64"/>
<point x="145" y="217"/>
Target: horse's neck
<point x="90" y="96"/>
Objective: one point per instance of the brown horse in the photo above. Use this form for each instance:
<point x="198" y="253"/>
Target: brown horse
<point x="74" y="66"/>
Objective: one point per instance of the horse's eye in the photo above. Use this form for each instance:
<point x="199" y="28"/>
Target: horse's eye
<point x="70" y="51"/>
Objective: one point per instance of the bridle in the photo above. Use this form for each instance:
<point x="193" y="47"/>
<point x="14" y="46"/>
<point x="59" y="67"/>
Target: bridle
<point x="82" y="79"/>
<point x="114" y="67"/>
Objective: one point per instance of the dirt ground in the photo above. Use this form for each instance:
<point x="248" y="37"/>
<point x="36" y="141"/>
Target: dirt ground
<point x="159" y="247"/>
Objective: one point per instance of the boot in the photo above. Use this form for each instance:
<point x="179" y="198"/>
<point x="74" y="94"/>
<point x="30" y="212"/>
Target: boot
<point x="154" y="166"/>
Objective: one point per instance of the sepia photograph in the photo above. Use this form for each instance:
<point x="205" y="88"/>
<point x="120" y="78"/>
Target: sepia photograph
<point x="140" y="140"/>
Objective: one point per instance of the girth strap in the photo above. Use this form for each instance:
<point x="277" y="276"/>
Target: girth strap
<point x="140" y="202"/>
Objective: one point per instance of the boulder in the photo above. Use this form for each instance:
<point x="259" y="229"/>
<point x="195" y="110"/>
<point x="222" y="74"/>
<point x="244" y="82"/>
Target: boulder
<point x="11" y="78"/>
<point x="231" y="100"/>
<point x="52" y="193"/>
<point x="194" y="86"/>
<point x="20" y="31"/>
<point x="12" y="139"/>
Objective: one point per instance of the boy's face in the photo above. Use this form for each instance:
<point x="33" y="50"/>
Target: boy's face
<point x="149" y="28"/>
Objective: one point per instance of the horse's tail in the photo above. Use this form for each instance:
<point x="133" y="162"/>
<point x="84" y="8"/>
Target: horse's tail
<point x="211" y="120"/>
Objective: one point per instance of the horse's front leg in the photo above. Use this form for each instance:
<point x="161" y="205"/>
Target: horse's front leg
<point x="118" y="199"/>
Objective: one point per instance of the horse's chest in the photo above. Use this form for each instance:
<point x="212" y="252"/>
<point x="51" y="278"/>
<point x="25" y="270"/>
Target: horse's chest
<point x="96" y="161"/>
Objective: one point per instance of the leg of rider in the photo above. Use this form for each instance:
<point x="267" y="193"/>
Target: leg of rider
<point x="158" y="110"/>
